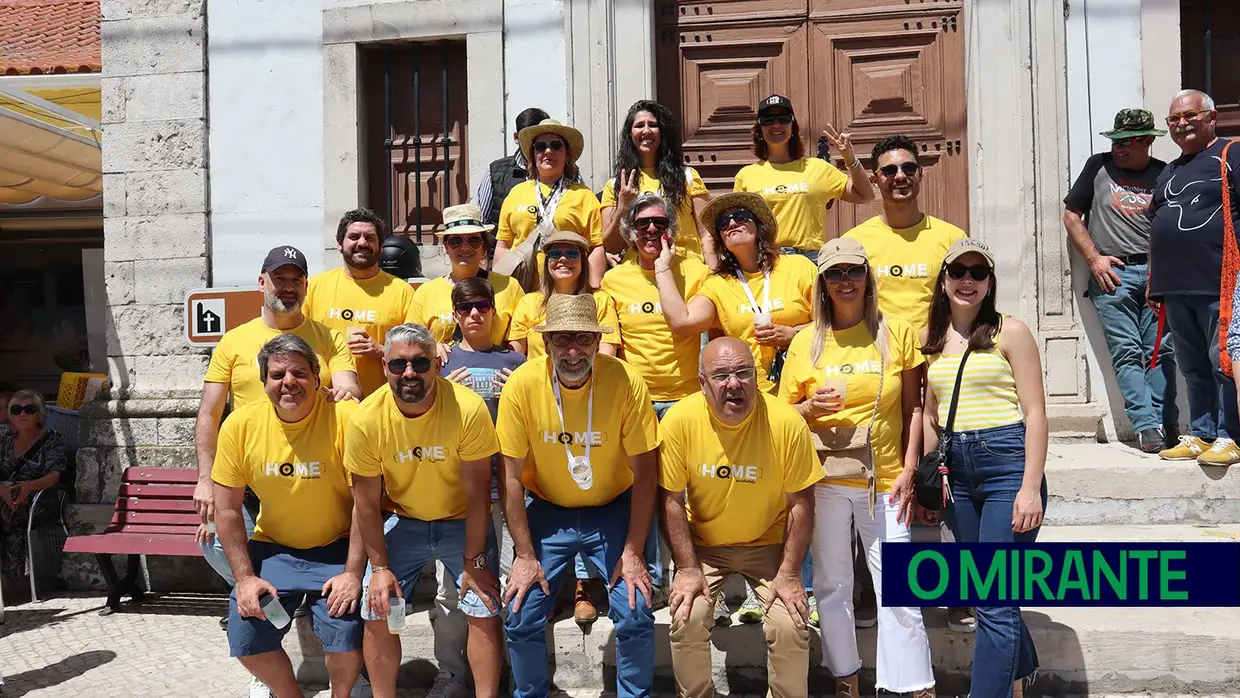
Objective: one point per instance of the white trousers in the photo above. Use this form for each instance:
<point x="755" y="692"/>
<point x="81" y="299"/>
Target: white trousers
<point x="903" y="647"/>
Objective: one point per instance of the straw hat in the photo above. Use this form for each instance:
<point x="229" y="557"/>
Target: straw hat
<point x="576" y="142"/>
<point x="841" y="251"/>
<point x="463" y="219"/>
<point x="566" y="313"/>
<point x="566" y="237"/>
<point x="739" y="199"/>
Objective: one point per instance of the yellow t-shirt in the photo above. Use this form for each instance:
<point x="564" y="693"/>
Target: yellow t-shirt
<point x="420" y="458"/>
<point x="667" y="361"/>
<point x="432" y="306"/>
<point x="530" y="314"/>
<point x="737" y="478"/>
<point x="235" y="359"/>
<point x="853" y="355"/>
<point x="906" y="263"/>
<point x="688" y="239"/>
<point x="377" y="304"/>
<point x="578" y="212"/>
<point x="295" y="469"/>
<point x="529" y="427"/>
<point x="792" y="290"/>
<point x="797" y="193"/>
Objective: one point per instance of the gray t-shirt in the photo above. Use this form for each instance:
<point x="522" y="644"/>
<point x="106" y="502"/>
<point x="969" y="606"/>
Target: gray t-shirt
<point x="1115" y="203"/>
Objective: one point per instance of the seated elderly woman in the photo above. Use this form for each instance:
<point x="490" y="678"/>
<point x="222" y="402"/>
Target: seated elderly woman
<point x="31" y="460"/>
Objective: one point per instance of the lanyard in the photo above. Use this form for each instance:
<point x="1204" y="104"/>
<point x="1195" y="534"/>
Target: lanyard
<point x="766" y="291"/>
<point x="589" y="416"/>
<point x="547" y="207"/>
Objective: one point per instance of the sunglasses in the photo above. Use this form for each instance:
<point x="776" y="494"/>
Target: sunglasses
<point x="740" y="215"/>
<point x="659" y="222"/>
<point x="564" y="339"/>
<point x="772" y="119"/>
<point x="855" y="274"/>
<point x="1125" y="142"/>
<point x="455" y="241"/>
<point x="422" y="364"/>
<point x="979" y="272"/>
<point x="1174" y="119"/>
<point x="909" y="169"/>
<point x="467" y="307"/>
<point x="18" y="409"/>
<point x="556" y="146"/>
<point x="569" y="253"/>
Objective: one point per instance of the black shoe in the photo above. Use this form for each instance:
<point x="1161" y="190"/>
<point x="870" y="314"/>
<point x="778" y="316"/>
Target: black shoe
<point x="1152" y="440"/>
<point x="224" y="623"/>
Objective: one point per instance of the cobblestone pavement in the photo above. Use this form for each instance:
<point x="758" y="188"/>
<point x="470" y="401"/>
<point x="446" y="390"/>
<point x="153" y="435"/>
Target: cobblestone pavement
<point x="172" y="647"/>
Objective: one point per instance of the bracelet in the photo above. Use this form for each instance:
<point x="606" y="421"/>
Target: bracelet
<point x="377" y="568"/>
<point x="852" y="164"/>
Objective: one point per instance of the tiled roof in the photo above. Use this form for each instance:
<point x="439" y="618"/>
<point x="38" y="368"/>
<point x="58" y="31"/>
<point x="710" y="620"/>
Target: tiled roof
<point x="49" y="36"/>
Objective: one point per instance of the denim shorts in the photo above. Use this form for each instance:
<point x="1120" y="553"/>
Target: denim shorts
<point x="412" y="544"/>
<point x="298" y="575"/>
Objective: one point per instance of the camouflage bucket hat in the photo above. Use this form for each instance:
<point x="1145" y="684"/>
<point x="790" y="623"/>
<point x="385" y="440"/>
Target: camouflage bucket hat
<point x="1130" y="123"/>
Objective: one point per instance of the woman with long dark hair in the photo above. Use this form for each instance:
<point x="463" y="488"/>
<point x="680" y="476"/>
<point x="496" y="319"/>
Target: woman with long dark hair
<point x="997" y="442"/>
<point x="798" y="188"/>
<point x="649" y="160"/>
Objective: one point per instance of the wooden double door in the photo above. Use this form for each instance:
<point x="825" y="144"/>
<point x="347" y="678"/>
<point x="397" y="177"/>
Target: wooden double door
<point x="871" y="67"/>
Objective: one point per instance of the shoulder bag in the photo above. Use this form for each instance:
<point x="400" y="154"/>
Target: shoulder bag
<point x="521" y="262"/>
<point x="931" y="487"/>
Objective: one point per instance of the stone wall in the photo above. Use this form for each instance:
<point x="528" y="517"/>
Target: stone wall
<point x="156" y="241"/>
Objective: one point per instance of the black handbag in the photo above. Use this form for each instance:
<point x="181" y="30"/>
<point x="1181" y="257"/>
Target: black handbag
<point x="932" y="488"/>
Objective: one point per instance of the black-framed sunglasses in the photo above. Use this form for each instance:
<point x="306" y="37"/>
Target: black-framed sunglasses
<point x="569" y="253"/>
<point x="659" y="222"/>
<point x="772" y="119"/>
<point x="909" y="169"/>
<point x="455" y="241"/>
<point x="18" y="409"/>
<point x="482" y="305"/>
<point x="855" y="274"/>
<point x="979" y="272"/>
<point x="564" y="339"/>
<point x="740" y="215"/>
<point x="556" y="146"/>
<point x="422" y="364"/>
<point x="1126" y="142"/>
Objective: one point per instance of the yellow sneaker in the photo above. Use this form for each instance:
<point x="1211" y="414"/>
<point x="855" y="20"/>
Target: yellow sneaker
<point x="1224" y="452"/>
<point x="1188" y="449"/>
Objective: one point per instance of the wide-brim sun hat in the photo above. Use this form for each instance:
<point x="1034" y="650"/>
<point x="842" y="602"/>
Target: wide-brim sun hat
<point x="576" y="142"/>
<point x="964" y="246"/>
<point x="739" y="199"/>
<point x="566" y="237"/>
<point x="841" y="251"/>
<point x="463" y="219"/>
<point x="571" y="313"/>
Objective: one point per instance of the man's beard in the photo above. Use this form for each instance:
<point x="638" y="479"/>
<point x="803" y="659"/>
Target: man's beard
<point x="571" y="373"/>
<point x="360" y="259"/>
<point x="410" y="390"/>
<point x="276" y="305"/>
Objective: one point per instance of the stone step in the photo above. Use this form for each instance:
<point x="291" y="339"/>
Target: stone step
<point x="1082" y="651"/>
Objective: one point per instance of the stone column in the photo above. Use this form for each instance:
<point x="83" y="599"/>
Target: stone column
<point x="156" y="242"/>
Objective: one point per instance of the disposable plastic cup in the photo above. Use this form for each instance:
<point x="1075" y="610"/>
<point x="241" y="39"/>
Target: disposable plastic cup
<point x="396" y="615"/>
<point x="274" y="610"/>
<point x="761" y="319"/>
<point x="839" y="385"/>
<point x="582" y="472"/>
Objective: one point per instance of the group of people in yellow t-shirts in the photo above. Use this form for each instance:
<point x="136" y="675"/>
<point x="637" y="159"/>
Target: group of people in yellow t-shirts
<point x="722" y="376"/>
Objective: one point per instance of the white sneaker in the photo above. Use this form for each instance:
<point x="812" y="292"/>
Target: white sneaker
<point x="258" y="689"/>
<point x="448" y="686"/>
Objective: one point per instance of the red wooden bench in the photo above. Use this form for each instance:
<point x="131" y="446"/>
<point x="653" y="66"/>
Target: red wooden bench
<point x="154" y="515"/>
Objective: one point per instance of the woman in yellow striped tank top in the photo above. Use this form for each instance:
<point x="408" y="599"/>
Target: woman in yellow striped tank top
<point x="997" y="442"/>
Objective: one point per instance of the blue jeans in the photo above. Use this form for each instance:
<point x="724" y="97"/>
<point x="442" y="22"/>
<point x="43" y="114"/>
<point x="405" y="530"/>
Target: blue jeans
<point x="559" y="534"/>
<point x="1131" y="329"/>
<point x="987" y="469"/>
<point x="213" y="552"/>
<point x="1211" y="395"/>
<point x="811" y="255"/>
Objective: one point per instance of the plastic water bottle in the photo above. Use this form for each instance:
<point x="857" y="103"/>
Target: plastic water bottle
<point x="396" y="615"/>
<point x="274" y="610"/>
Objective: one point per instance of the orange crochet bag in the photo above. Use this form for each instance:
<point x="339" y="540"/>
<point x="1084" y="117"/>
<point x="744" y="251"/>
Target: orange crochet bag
<point x="1231" y="265"/>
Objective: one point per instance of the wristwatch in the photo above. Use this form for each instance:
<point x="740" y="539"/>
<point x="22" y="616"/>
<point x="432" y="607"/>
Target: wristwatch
<point x="479" y="561"/>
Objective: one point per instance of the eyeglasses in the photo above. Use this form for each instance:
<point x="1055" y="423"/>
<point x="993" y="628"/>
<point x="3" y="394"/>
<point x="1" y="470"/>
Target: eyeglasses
<point x="740" y="215"/>
<point x="979" y="272"/>
<point x="564" y="339"/>
<point x="741" y="374"/>
<point x="772" y="119"/>
<point x="422" y="364"/>
<point x="659" y="222"/>
<point x="556" y="146"/>
<point x="467" y="307"/>
<point x="1174" y="119"/>
<point x="18" y="409"/>
<point x="455" y="241"/>
<point x="835" y="275"/>
<point x="909" y="169"/>
<point x="569" y="253"/>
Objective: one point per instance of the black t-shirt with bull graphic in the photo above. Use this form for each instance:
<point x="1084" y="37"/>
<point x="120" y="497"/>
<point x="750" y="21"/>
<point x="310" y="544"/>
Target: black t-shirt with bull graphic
<point x="1186" y="231"/>
<point x="1115" y="204"/>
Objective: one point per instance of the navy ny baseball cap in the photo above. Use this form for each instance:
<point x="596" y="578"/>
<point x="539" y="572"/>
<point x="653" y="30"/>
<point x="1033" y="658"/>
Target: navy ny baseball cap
<point x="285" y="255"/>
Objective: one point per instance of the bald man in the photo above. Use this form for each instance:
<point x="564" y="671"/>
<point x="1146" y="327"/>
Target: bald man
<point x="737" y="497"/>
